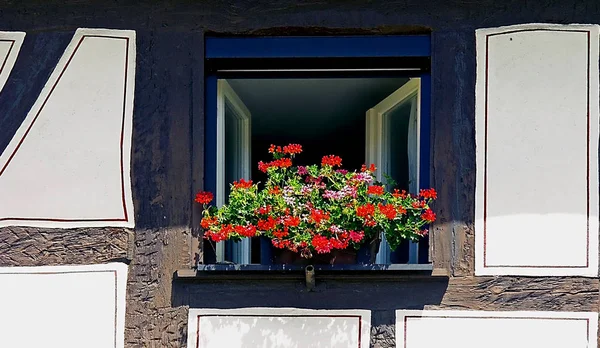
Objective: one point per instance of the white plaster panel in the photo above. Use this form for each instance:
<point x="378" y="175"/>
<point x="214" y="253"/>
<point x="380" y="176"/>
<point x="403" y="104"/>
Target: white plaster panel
<point x="68" y="165"/>
<point x="536" y="208"/>
<point x="476" y="329"/>
<point x="10" y="45"/>
<point x="63" y="306"/>
<point x="278" y="328"/>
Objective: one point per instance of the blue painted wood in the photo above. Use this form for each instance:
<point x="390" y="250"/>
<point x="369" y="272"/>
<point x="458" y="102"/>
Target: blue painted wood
<point x="425" y="167"/>
<point x="304" y="47"/>
<point x="210" y="136"/>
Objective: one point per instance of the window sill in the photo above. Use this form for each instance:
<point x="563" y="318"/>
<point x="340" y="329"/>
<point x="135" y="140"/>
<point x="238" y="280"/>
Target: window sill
<point x="297" y="272"/>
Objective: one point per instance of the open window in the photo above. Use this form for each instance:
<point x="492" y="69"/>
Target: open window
<point x="366" y="109"/>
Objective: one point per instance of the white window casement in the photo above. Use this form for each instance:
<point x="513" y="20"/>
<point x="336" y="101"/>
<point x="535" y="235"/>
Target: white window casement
<point x="234" y="148"/>
<point x="383" y="120"/>
<point x="331" y="104"/>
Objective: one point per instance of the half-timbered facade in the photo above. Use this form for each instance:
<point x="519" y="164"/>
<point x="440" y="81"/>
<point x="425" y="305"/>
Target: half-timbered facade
<point x="114" y="114"/>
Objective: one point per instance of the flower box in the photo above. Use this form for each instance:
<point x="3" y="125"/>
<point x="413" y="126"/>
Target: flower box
<point x="320" y="213"/>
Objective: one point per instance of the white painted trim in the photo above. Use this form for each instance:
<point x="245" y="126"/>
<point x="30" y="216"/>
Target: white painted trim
<point x="537" y="269"/>
<point x="120" y="278"/>
<point x="590" y="318"/>
<point x="363" y="315"/>
<point x="225" y="93"/>
<point x="127" y="201"/>
<point x="377" y="142"/>
<point x="7" y="62"/>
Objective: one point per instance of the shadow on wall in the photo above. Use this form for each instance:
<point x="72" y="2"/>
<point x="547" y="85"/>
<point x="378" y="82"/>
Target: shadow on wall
<point x="382" y="298"/>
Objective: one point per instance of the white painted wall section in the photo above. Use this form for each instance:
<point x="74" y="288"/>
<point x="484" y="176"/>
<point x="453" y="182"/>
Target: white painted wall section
<point x="10" y="45"/>
<point x="63" y="306"/>
<point x="536" y="207"/>
<point x="476" y="329"/>
<point x="278" y="328"/>
<point x="68" y="165"/>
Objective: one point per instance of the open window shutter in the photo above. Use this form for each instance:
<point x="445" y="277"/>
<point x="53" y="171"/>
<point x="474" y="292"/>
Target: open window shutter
<point x="233" y="157"/>
<point x="537" y="150"/>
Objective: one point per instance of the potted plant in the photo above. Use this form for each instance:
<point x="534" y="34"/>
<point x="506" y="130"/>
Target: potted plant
<point x="317" y="210"/>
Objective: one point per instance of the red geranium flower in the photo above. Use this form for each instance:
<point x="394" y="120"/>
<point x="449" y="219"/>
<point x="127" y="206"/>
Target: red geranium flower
<point x="388" y="210"/>
<point x="291" y="221"/>
<point x="418" y="204"/>
<point x="375" y="190"/>
<point x="204" y="197"/>
<point x="292" y="149"/>
<point x="245" y="231"/>
<point x="356" y="236"/>
<point x="398" y="194"/>
<point x="266" y="225"/>
<point x="206" y="222"/>
<point x="428" y="193"/>
<point x="331" y="160"/>
<point x="428" y="215"/>
<point x="318" y="215"/>
<point x="371" y="168"/>
<point x="365" y="211"/>
<point x="242" y="184"/>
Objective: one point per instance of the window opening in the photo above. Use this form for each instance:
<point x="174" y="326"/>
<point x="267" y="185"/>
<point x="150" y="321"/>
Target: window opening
<point x="362" y="114"/>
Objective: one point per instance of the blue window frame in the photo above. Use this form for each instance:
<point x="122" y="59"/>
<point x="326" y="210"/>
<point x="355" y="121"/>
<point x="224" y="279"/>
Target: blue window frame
<point x="343" y="56"/>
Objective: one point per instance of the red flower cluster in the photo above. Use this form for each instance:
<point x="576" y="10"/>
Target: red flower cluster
<point x="318" y="216"/>
<point x="281" y="233"/>
<point x="418" y="204"/>
<point x="242" y="184"/>
<point x="267" y="225"/>
<point x="264" y="210"/>
<point x="398" y="194"/>
<point x="356" y="236"/>
<point x="204" y="197"/>
<point x="287" y="244"/>
<point x="291" y="221"/>
<point x="365" y="211"/>
<point x="220" y="235"/>
<point x="428" y="215"/>
<point x="388" y="210"/>
<point x="278" y="163"/>
<point x="375" y="190"/>
<point x="331" y="160"/>
<point x="316" y="209"/>
<point x="324" y="245"/>
<point x="428" y="193"/>
<point x="245" y="231"/>
<point x="206" y="222"/>
<point x="371" y="168"/>
<point x="291" y="149"/>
